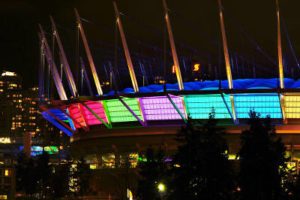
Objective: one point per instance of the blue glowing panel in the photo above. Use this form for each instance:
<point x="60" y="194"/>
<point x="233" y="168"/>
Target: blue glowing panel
<point x="56" y="124"/>
<point x="264" y="104"/>
<point x="60" y="115"/>
<point x="200" y="106"/>
<point x="63" y="117"/>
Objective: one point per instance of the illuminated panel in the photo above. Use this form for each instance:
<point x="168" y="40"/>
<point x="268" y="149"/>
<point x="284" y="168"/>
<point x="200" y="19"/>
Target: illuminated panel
<point x="60" y="115"/>
<point x="117" y="112"/>
<point x="160" y="108"/>
<point x="263" y="104"/>
<point x="292" y="106"/>
<point x="76" y="114"/>
<point x="199" y="106"/>
<point x="56" y="124"/>
<point x="98" y="108"/>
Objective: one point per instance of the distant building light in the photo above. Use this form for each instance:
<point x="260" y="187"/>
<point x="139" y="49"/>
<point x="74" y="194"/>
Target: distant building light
<point x="3" y="196"/>
<point x="162" y="81"/>
<point x="6" y="172"/>
<point x="129" y="194"/>
<point x="161" y="187"/>
<point x="233" y="157"/>
<point x="196" y="67"/>
<point x="93" y="166"/>
<point x="5" y="140"/>
<point x="173" y="69"/>
<point x="7" y="73"/>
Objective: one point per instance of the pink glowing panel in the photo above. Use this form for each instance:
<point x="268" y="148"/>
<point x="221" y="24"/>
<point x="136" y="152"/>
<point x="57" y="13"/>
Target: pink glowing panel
<point x="161" y="108"/>
<point x="97" y="108"/>
<point x="76" y="114"/>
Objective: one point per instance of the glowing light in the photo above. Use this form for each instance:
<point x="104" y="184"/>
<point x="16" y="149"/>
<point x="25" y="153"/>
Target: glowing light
<point x="292" y="106"/>
<point x="291" y="165"/>
<point x="264" y="104"/>
<point x="160" y="108"/>
<point x="196" y="67"/>
<point x="129" y="194"/>
<point x="161" y="187"/>
<point x="56" y="124"/>
<point x="7" y="73"/>
<point x="117" y="112"/>
<point x="5" y="140"/>
<point x="98" y="108"/>
<point x="75" y="112"/>
<point x="51" y="149"/>
<point x="173" y="69"/>
<point x="6" y="172"/>
<point x="177" y="165"/>
<point x="200" y="106"/>
<point x="93" y="166"/>
<point x="232" y="157"/>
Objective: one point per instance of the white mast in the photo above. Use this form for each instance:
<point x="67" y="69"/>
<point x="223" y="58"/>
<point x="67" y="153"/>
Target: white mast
<point x="66" y="65"/>
<point x="227" y="59"/>
<point x="279" y="48"/>
<point x="53" y="68"/>
<point x="173" y="47"/>
<point x="126" y="50"/>
<point x="89" y="55"/>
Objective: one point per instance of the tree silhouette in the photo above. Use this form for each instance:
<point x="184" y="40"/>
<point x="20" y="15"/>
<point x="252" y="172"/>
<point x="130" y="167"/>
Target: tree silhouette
<point x="151" y="171"/>
<point x="201" y="169"/>
<point x="262" y="161"/>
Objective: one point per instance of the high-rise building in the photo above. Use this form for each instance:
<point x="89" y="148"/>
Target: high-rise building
<point x="30" y="111"/>
<point x="11" y="129"/>
<point x="11" y="100"/>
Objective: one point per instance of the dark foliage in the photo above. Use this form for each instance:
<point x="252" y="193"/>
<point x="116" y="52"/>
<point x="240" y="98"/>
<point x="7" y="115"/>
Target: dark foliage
<point x="201" y="169"/>
<point x="83" y="174"/>
<point x="152" y="172"/>
<point x="262" y="161"/>
<point x="32" y="174"/>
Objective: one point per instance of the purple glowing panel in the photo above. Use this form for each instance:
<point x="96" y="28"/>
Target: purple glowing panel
<point x="161" y="108"/>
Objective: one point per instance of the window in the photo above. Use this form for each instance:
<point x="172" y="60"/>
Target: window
<point x="6" y="172"/>
<point x="108" y="160"/>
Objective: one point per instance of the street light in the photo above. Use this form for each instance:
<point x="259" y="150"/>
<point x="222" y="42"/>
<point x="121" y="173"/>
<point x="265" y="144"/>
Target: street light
<point x="161" y="187"/>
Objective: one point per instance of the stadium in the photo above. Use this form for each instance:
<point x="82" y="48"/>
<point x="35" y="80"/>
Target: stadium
<point x="108" y="128"/>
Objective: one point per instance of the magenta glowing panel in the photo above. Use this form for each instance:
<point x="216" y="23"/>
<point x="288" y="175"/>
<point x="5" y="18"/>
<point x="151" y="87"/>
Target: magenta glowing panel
<point x="97" y="108"/>
<point x="161" y="108"/>
<point x="76" y="114"/>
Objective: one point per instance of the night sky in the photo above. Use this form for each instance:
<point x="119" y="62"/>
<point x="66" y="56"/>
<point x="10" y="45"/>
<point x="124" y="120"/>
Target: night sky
<point x="195" y="24"/>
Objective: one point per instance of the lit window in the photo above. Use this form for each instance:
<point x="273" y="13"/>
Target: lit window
<point x="6" y="172"/>
<point x="108" y="160"/>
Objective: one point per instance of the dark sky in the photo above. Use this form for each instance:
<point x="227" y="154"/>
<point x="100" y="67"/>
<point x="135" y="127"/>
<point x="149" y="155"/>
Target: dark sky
<point x="195" y="23"/>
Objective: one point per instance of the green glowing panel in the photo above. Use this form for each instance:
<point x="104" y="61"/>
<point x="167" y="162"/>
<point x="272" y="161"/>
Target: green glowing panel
<point x="51" y="149"/>
<point x="199" y="106"/>
<point x="117" y="112"/>
<point x="264" y="104"/>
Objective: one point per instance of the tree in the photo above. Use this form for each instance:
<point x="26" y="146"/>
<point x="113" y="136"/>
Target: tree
<point x="295" y="188"/>
<point x="26" y="175"/>
<point x="262" y="161"/>
<point x="201" y="169"/>
<point x="60" y="181"/>
<point x="84" y="174"/>
<point x="151" y="171"/>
